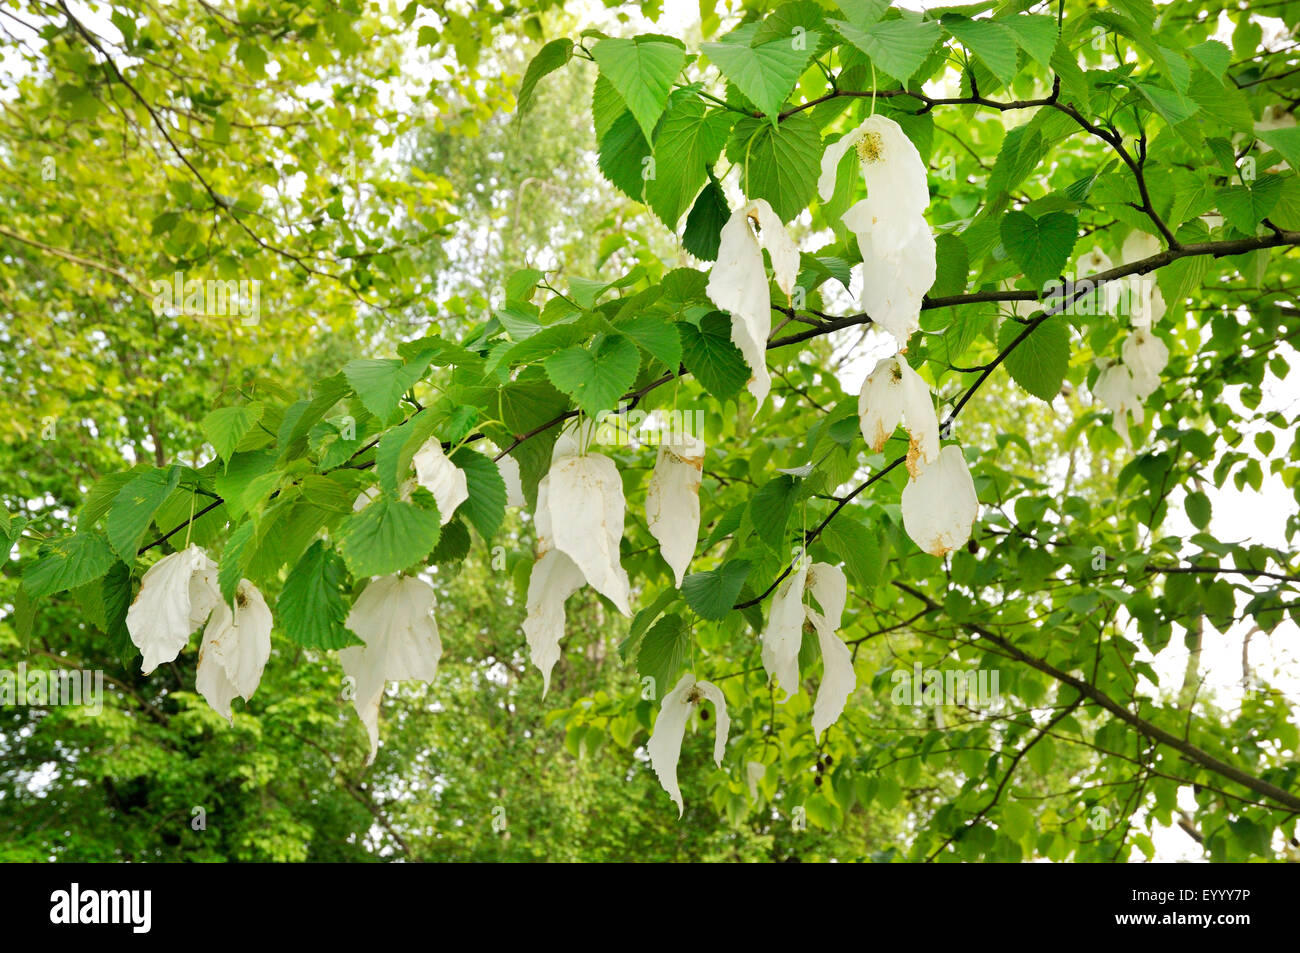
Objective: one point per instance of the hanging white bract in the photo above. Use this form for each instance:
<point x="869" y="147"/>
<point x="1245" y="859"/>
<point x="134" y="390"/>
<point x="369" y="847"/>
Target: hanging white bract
<point x="897" y="246"/>
<point x="783" y="637"/>
<point x="587" y="509"/>
<point x="672" y="499"/>
<point x="665" y="745"/>
<point x="1145" y="355"/>
<point x="236" y="645"/>
<point x="894" y="284"/>
<point x="893" y="393"/>
<point x="579" y="519"/>
<point x="738" y="283"/>
<point x="1146" y="305"/>
<point x="508" y="466"/>
<point x="436" y="473"/>
<point x="394" y="618"/>
<point x="940" y="504"/>
<point x="784" y="633"/>
<point x="898" y="191"/>
<point x="827" y="585"/>
<point x="176" y="595"/>
<point x="1116" y="389"/>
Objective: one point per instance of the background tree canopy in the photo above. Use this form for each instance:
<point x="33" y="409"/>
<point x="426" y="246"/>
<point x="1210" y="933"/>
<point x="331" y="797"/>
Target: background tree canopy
<point x="468" y="226"/>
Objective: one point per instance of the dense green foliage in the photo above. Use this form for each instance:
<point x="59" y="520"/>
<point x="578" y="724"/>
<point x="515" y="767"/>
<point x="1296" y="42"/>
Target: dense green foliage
<point x="457" y="241"/>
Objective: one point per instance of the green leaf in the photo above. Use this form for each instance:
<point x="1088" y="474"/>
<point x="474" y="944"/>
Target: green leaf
<point x="663" y="651"/>
<point x="655" y="335"/>
<point x="784" y="161"/>
<point x="227" y="426"/>
<point x="623" y="156"/>
<point x="387" y="537"/>
<point x="311" y="610"/>
<point x="68" y="563"/>
<point x="857" y="546"/>
<point x="549" y="58"/>
<point x="381" y="382"/>
<point x="249" y="477"/>
<point x="1036" y="34"/>
<point x="712" y="594"/>
<point x="606" y="107"/>
<point x="770" y="509"/>
<point x="134" y="508"/>
<point x="1286" y="142"/>
<point x="993" y="43"/>
<point x="689" y="140"/>
<point x="898" y="47"/>
<point x="1040" y="362"/>
<point x="708" y="353"/>
<point x="766" y="72"/>
<point x="642" y="69"/>
<point x="703" y="233"/>
<point x="1222" y="104"/>
<point x="453" y="544"/>
<point x="486" y="506"/>
<point x="1173" y="107"/>
<point x="1041" y="247"/>
<point x="398" y="447"/>
<point x="1244" y="207"/>
<point x="1214" y="56"/>
<point x="631" y="645"/>
<point x="1198" y="509"/>
<point x="595" y="379"/>
<point x="235" y="559"/>
<point x="1042" y="755"/>
<point x="953" y="265"/>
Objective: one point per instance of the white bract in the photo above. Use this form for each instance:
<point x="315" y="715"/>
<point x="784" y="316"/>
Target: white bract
<point x="1146" y="303"/>
<point x="1145" y="355"/>
<point x="585" y="495"/>
<point x="510" y="475"/>
<point x="828" y="586"/>
<point x="897" y="188"/>
<point x="1116" y="389"/>
<point x="894" y="284"/>
<point x="236" y="645"/>
<point x="554" y="578"/>
<point x="1094" y="262"/>
<point x="893" y="393"/>
<point x="672" y="500"/>
<point x="940" y="504"/>
<point x="784" y="633"/>
<point x="436" y="473"/>
<point x="783" y="637"/>
<point x="738" y="283"/>
<point x="579" y="519"/>
<point x="394" y="618"/>
<point x="665" y="745"/>
<point x="176" y="595"/>
<point x="897" y="246"/>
